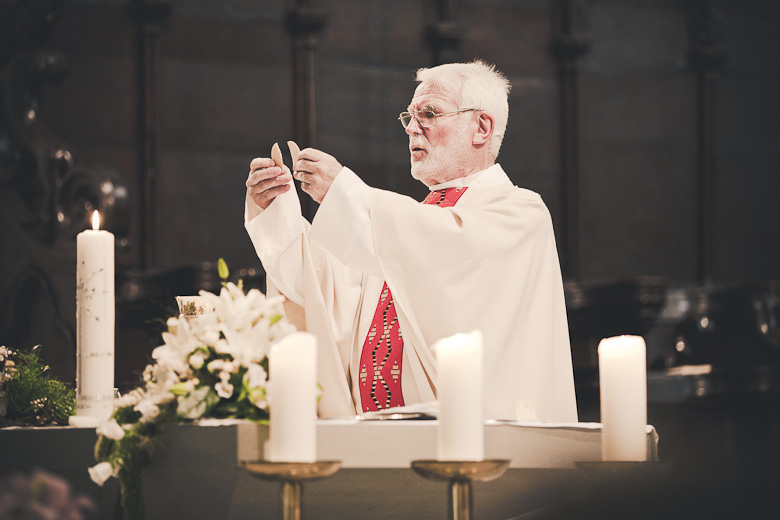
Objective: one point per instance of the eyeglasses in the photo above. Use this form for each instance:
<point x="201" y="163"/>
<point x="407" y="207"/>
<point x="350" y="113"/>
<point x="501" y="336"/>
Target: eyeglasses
<point x="427" y="118"/>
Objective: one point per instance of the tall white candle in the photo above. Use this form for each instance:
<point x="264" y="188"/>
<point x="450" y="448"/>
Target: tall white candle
<point x="292" y="398"/>
<point x="623" y="388"/>
<point x="95" y="318"/>
<point x="460" y="435"/>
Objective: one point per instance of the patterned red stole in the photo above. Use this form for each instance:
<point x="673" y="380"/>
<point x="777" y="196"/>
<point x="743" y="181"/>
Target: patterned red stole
<point x="381" y="358"/>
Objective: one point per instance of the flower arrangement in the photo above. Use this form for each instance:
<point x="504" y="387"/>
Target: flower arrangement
<point x="211" y="365"/>
<point x="29" y="394"/>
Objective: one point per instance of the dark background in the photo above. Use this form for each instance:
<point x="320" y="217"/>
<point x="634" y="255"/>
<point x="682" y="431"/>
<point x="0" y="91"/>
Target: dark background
<point x="649" y="127"/>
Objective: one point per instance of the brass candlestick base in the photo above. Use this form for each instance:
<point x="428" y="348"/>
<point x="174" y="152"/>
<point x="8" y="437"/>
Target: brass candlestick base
<point x="292" y="475"/>
<point x="460" y="474"/>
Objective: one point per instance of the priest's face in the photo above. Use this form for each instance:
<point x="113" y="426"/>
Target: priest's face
<point x="443" y="151"/>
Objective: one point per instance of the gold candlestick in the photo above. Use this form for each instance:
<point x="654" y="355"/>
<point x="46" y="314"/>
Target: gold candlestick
<point x="460" y="474"/>
<point x="292" y="475"/>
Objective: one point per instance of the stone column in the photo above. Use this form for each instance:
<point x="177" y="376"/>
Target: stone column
<point x="568" y="46"/>
<point x="305" y="24"/>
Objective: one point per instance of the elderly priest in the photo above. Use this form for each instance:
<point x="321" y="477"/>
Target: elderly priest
<point x="380" y="277"/>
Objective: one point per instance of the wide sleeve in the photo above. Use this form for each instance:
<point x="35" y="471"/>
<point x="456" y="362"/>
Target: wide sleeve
<point x="375" y="230"/>
<point x="322" y="293"/>
<point x="277" y="233"/>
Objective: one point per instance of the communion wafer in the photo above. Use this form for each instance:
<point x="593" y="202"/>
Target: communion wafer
<point x="294" y="150"/>
<point x="276" y="155"/>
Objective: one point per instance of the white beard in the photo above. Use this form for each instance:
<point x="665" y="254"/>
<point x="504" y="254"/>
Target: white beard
<point x="445" y="162"/>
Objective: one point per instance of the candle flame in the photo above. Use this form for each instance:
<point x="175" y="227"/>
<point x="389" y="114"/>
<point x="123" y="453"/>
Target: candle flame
<point x="95" y="220"/>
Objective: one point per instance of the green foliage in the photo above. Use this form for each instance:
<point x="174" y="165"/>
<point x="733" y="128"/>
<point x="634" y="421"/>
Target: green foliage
<point x="33" y="396"/>
<point x="198" y="403"/>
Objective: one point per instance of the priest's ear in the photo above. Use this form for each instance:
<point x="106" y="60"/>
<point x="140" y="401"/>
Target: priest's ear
<point x="484" y="131"/>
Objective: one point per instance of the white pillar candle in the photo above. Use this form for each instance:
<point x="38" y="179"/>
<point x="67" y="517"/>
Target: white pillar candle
<point x="623" y="388"/>
<point x="95" y="318"/>
<point x="292" y="398"/>
<point x="460" y="435"/>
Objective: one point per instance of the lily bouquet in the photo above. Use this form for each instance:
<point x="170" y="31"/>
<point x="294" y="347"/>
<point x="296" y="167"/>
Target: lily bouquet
<point x="213" y="365"/>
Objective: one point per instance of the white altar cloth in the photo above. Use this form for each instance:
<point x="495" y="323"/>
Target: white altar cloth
<point x="198" y="475"/>
<point x="527" y="445"/>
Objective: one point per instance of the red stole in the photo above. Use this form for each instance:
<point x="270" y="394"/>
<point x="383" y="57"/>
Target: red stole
<point x="382" y="356"/>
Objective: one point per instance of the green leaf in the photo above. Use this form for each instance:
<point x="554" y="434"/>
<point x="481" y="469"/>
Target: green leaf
<point x="200" y="401"/>
<point x="222" y="268"/>
<point x="179" y="389"/>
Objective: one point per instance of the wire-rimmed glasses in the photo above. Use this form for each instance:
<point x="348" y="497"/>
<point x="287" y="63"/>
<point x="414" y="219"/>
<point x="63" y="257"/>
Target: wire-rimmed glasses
<point x="427" y="118"/>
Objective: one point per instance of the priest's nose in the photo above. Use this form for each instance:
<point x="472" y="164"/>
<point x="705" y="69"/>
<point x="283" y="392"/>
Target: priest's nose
<point x="414" y="128"/>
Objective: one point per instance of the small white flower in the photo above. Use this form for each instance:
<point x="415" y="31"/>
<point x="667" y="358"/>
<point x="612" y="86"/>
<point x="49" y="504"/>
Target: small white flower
<point x="111" y="429"/>
<point x="163" y="397"/>
<point x="260" y="402"/>
<point x="149" y="411"/>
<point x="172" y="323"/>
<point x="101" y="472"/>
<point x="255" y="376"/>
<point x="197" y="359"/>
<point x="210" y="336"/>
<point x="217" y="364"/>
<point x="130" y="399"/>
<point x="148" y="371"/>
<point x="224" y="388"/>
<point x="170" y="358"/>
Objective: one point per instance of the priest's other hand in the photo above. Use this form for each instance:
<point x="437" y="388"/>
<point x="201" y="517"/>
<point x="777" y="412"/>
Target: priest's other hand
<point x="316" y="171"/>
<point x="267" y="181"/>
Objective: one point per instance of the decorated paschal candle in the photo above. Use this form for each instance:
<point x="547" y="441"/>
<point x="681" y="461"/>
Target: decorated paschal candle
<point x="95" y="319"/>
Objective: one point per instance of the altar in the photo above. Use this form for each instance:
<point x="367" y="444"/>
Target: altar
<point x="197" y="473"/>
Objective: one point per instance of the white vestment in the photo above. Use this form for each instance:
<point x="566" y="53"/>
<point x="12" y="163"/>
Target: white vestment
<point x="489" y="263"/>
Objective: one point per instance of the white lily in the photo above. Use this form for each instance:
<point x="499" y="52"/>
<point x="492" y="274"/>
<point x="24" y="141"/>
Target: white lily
<point x="224" y="388"/>
<point x="256" y="376"/>
<point x="149" y="411"/>
<point x="101" y="472"/>
<point x="197" y="359"/>
<point x="111" y="429"/>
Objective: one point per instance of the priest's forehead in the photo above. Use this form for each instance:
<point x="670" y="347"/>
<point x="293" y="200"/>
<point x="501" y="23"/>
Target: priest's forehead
<point x="428" y="97"/>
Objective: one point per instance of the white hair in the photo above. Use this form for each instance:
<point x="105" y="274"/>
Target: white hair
<point x="473" y="85"/>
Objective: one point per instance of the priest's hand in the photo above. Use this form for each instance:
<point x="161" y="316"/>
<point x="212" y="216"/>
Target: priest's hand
<point x="267" y="181"/>
<point x="316" y="171"/>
